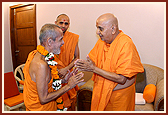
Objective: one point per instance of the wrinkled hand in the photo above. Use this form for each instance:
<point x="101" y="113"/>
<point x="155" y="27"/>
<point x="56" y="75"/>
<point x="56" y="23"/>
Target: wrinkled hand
<point x="62" y="72"/>
<point x="75" y="79"/>
<point x="85" y="65"/>
<point x="69" y="74"/>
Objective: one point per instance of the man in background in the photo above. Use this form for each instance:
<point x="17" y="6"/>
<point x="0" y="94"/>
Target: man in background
<point x="69" y="54"/>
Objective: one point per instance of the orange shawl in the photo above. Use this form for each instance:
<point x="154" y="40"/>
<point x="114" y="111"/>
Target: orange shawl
<point x="30" y="94"/>
<point x="65" y="58"/>
<point x="68" y="49"/>
<point x="121" y="58"/>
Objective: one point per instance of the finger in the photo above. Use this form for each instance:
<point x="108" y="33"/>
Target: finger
<point x="75" y="71"/>
<point x="80" y="81"/>
<point x="79" y="76"/>
<point x="68" y="73"/>
<point x="80" y="65"/>
<point x="85" y="69"/>
<point x="80" y="61"/>
<point x="76" y="61"/>
<point x="88" y="58"/>
<point x="76" y="76"/>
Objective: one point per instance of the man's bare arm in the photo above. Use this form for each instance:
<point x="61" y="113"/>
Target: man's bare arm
<point x="42" y="80"/>
<point x="128" y="83"/>
<point x="89" y="65"/>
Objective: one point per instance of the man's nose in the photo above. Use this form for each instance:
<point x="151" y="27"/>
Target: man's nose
<point x="97" y="31"/>
<point x="63" y="25"/>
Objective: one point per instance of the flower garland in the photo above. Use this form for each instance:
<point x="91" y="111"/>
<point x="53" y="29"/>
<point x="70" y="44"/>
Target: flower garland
<point x="49" y="57"/>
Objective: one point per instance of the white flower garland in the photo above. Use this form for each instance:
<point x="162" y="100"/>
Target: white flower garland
<point x="50" y="60"/>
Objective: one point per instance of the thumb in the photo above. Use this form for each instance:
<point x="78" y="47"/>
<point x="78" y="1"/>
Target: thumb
<point x="88" y="58"/>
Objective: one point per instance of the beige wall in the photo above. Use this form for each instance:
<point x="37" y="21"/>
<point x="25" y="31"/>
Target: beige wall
<point x="143" y="22"/>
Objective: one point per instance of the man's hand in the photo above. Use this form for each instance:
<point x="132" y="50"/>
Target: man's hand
<point x="69" y="74"/>
<point x="62" y="72"/>
<point x="75" y="79"/>
<point x="85" y="65"/>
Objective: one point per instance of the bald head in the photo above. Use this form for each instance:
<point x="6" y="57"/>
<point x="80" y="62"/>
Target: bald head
<point x="63" y="21"/>
<point x="108" y="19"/>
<point x="107" y="27"/>
<point x="62" y="15"/>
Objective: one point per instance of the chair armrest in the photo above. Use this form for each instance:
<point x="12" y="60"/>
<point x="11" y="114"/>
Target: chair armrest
<point x="21" y="82"/>
<point x="17" y="78"/>
<point x="159" y="95"/>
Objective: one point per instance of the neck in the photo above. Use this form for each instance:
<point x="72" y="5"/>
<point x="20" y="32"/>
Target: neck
<point x="115" y="35"/>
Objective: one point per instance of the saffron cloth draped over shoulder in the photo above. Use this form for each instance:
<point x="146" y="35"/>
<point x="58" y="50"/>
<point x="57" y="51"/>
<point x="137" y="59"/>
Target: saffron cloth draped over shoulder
<point x="67" y="50"/>
<point x="30" y="94"/>
<point x="65" y="57"/>
<point x="120" y="57"/>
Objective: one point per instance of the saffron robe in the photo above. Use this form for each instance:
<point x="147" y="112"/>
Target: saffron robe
<point x="64" y="59"/>
<point x="120" y="57"/>
<point x="30" y="95"/>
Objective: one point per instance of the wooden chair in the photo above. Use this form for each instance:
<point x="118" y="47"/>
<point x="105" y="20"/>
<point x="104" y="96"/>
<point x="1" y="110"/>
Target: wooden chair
<point x="19" y="76"/>
<point x="13" y="99"/>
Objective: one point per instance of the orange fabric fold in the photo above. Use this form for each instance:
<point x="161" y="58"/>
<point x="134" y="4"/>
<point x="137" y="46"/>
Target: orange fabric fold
<point x="64" y="59"/>
<point x="67" y="50"/>
<point x="30" y="94"/>
<point x="126" y="101"/>
<point x="120" y="57"/>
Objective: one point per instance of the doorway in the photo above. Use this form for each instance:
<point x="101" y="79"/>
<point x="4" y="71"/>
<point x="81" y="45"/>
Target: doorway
<point x="22" y="31"/>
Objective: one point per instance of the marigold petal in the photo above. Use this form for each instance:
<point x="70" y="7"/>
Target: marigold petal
<point x="60" y="106"/>
<point x="59" y="100"/>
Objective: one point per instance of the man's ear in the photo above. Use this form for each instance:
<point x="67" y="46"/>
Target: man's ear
<point x="113" y="29"/>
<point x="49" y="41"/>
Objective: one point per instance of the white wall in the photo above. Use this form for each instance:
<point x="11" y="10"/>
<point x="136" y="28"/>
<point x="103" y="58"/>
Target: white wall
<point x="143" y="22"/>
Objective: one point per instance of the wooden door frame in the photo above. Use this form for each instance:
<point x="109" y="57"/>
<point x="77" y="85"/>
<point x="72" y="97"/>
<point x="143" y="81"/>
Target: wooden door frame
<point x="12" y="31"/>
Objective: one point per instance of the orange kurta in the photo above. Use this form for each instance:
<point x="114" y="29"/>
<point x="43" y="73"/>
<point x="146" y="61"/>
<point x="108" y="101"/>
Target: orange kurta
<point x="120" y="57"/>
<point x="65" y="58"/>
<point x="31" y="99"/>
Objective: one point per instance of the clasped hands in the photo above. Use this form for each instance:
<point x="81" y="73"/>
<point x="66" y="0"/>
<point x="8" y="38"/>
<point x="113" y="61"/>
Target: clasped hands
<point x="73" y="78"/>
